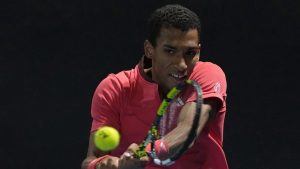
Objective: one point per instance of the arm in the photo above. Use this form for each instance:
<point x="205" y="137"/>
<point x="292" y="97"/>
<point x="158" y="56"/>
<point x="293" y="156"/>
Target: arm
<point x="179" y="134"/>
<point x="103" y="113"/>
<point x="106" y="104"/>
<point x="126" y="161"/>
<point x="213" y="83"/>
<point x="94" y="153"/>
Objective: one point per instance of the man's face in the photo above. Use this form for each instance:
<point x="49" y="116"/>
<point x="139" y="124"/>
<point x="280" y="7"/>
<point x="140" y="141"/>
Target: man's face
<point x="174" y="56"/>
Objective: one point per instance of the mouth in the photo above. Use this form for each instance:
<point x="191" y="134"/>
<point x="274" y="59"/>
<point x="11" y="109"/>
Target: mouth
<point x="178" y="77"/>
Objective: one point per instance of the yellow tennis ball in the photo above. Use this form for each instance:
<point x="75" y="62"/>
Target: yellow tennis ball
<point x="107" y="138"/>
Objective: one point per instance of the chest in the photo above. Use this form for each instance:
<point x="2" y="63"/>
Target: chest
<point x="138" y="115"/>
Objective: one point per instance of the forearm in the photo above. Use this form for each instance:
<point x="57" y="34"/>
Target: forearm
<point x="178" y="135"/>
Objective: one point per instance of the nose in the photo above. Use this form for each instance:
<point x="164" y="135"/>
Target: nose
<point x="181" y="63"/>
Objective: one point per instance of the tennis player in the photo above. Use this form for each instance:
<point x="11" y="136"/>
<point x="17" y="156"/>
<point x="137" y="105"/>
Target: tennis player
<point x="128" y="100"/>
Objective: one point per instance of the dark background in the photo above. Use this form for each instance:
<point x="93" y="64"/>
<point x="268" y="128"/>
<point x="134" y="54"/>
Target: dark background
<point x="54" y="54"/>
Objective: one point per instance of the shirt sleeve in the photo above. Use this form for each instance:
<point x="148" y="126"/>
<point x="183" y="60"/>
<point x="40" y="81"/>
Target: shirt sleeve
<point x="212" y="80"/>
<point x="106" y="103"/>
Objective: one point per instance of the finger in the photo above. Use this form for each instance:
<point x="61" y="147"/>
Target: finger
<point x="133" y="147"/>
<point x="132" y="163"/>
<point x="128" y="154"/>
<point x="145" y="159"/>
<point x="103" y="164"/>
<point x="110" y="162"/>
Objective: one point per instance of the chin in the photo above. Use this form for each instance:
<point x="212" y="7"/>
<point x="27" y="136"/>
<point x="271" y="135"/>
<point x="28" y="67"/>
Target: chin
<point x="172" y="84"/>
<point x="169" y="82"/>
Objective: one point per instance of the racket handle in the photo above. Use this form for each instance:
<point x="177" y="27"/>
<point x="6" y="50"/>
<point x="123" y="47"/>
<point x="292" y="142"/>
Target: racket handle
<point x="140" y="152"/>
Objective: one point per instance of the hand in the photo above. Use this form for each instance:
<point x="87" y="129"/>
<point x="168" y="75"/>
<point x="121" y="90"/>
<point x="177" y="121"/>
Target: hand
<point x="109" y="162"/>
<point x="127" y="161"/>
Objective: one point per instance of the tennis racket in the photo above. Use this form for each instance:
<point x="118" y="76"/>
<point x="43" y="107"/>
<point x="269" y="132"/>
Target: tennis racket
<point x="153" y="133"/>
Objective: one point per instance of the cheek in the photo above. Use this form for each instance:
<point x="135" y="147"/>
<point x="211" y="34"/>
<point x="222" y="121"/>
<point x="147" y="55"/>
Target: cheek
<point x="161" y="61"/>
<point x="192" y="63"/>
<point x="194" y="60"/>
<point x="155" y="63"/>
<point x="160" y="68"/>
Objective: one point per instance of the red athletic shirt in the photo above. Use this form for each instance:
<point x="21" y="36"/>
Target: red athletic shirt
<point x="129" y="100"/>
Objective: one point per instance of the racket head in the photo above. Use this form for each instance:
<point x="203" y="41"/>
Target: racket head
<point x="153" y="133"/>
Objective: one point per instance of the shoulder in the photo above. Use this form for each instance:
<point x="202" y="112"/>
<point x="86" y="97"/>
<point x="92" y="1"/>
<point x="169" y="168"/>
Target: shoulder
<point x="204" y="67"/>
<point x="207" y="70"/>
<point x="209" y="75"/>
<point x="120" y="80"/>
<point x="212" y="80"/>
<point x="114" y="87"/>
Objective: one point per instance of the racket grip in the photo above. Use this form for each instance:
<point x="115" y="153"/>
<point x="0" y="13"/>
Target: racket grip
<point x="140" y="152"/>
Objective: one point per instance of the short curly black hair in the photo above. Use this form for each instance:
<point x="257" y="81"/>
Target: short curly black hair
<point x="173" y="15"/>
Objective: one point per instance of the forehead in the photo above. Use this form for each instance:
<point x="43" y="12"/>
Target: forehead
<point x="177" y="38"/>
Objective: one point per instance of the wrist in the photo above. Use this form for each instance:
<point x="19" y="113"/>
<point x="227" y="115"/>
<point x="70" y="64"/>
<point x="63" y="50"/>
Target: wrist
<point x="93" y="163"/>
<point x="161" y="148"/>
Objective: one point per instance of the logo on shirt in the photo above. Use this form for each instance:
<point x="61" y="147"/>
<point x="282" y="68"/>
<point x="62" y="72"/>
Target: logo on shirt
<point x="217" y="87"/>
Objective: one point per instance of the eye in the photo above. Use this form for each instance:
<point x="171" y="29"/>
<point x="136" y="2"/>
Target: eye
<point x="170" y="51"/>
<point x="191" y="52"/>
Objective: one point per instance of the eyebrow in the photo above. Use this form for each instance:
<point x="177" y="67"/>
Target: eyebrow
<point x="169" y="46"/>
<point x="172" y="47"/>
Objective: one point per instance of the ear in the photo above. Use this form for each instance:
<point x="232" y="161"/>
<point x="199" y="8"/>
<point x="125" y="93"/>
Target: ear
<point x="148" y="49"/>
<point x="199" y="45"/>
<point x="200" y="51"/>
